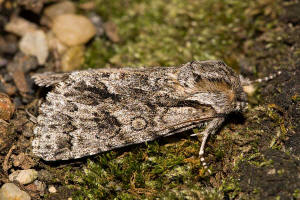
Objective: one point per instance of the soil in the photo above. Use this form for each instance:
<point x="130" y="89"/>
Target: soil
<point x="280" y="92"/>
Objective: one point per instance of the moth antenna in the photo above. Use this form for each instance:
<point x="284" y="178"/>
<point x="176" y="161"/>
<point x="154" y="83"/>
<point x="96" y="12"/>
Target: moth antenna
<point x="267" y="78"/>
<point x="246" y="81"/>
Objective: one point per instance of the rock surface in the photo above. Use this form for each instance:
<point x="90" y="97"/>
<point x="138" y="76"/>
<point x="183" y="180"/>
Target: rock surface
<point x="10" y="191"/>
<point x="73" y="29"/>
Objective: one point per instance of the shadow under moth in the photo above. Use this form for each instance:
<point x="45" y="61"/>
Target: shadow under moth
<point x="97" y="110"/>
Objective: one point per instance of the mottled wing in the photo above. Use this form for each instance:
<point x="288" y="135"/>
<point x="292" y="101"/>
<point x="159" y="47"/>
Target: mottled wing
<point x="49" y="79"/>
<point x="98" y="110"/>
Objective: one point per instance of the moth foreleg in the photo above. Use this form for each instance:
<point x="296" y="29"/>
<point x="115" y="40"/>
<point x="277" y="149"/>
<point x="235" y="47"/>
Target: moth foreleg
<point x="211" y="128"/>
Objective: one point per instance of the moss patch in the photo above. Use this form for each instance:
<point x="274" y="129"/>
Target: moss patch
<point x="174" y="32"/>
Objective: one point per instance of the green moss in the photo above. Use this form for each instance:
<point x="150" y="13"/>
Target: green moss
<point x="150" y="171"/>
<point x="174" y="32"/>
<point x="296" y="194"/>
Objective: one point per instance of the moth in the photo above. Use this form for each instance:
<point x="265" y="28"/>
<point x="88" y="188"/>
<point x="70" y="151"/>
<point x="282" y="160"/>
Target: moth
<point x="97" y="110"/>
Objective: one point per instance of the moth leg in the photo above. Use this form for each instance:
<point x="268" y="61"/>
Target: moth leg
<point x="211" y="128"/>
<point x="199" y="126"/>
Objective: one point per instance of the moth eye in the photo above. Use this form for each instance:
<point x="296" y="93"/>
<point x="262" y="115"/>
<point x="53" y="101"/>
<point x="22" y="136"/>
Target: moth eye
<point x="138" y="123"/>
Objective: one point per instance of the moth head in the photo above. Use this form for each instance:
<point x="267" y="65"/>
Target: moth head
<point x="241" y="100"/>
<point x="217" y="84"/>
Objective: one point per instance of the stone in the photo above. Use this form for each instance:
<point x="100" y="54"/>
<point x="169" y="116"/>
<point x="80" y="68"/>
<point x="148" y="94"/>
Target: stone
<point x="16" y="70"/>
<point x="249" y="89"/>
<point x="55" y="44"/>
<point x="7" y="108"/>
<point x="64" y="7"/>
<point x="73" y="29"/>
<point x="20" y="26"/>
<point x="20" y="81"/>
<point x="35" y="43"/>
<point x="111" y="31"/>
<point x="10" y="191"/>
<point x="52" y="189"/>
<point x="36" y="186"/>
<point x="72" y="59"/>
<point x="24" y="176"/>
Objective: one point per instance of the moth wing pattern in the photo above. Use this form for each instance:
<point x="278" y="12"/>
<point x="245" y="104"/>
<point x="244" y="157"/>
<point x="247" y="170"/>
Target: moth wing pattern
<point x="49" y="79"/>
<point x="93" y="111"/>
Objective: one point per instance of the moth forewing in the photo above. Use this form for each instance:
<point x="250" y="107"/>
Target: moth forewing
<point x="93" y="111"/>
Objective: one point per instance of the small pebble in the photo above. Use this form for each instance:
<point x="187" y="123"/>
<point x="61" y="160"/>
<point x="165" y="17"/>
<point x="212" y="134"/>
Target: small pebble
<point x="64" y="7"/>
<point x="35" y="43"/>
<point x="249" y="89"/>
<point x="20" y="26"/>
<point x="16" y="71"/>
<point x="73" y="29"/>
<point x="10" y="191"/>
<point x="7" y="108"/>
<point x="271" y="171"/>
<point x="55" y="44"/>
<point x="24" y="176"/>
<point x="111" y="31"/>
<point x="72" y="59"/>
<point x="52" y="189"/>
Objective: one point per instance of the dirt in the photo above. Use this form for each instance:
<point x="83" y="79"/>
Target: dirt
<point x="281" y="178"/>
